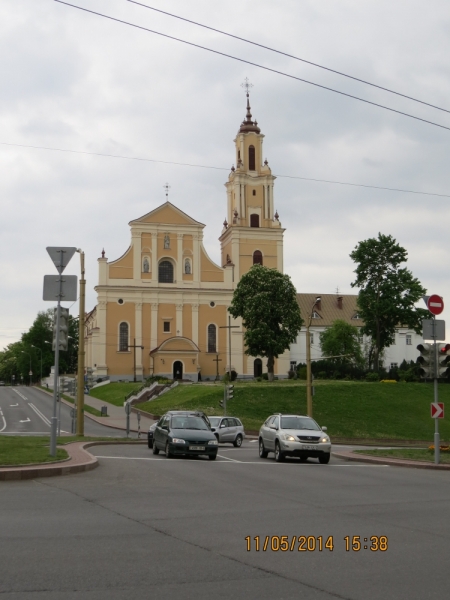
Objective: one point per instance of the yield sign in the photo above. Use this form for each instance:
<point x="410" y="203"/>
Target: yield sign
<point x="435" y="304"/>
<point x="437" y="410"/>
<point x="61" y="256"/>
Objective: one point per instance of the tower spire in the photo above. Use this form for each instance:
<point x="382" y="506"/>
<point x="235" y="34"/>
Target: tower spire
<point x="248" y="124"/>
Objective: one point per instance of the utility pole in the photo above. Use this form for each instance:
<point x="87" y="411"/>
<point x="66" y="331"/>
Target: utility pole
<point x="79" y="401"/>
<point x="309" y="408"/>
<point x="134" y="346"/>
<point x="217" y="360"/>
<point x="229" y="327"/>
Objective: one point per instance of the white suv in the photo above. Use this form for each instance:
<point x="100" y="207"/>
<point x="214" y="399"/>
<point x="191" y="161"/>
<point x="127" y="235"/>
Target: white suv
<point x="294" y="435"/>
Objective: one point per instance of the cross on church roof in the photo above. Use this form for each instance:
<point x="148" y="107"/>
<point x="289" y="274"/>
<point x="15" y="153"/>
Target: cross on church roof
<point x="167" y="188"/>
<point x="247" y="85"/>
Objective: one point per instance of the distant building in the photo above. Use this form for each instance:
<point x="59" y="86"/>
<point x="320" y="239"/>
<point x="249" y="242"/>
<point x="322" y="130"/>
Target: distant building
<point x="333" y="307"/>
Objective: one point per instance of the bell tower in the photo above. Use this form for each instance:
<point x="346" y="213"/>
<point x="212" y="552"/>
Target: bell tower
<point x="252" y="233"/>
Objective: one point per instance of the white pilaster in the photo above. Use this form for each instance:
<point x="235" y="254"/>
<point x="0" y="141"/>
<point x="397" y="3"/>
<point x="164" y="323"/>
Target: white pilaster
<point x="179" y="320"/>
<point x="154" y="257"/>
<point x="196" y="239"/>
<point x="154" y="327"/>
<point x="179" y="274"/>
<point x="137" y="252"/>
<point x="195" y="323"/>
<point x="101" y="324"/>
<point x="138" y="336"/>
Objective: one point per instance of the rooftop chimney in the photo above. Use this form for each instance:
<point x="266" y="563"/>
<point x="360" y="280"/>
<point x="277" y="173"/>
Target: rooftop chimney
<point x="339" y="302"/>
<point x="318" y="304"/>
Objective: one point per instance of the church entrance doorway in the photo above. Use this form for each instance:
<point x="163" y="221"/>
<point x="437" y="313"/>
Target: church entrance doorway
<point x="178" y="369"/>
<point x="257" y="367"/>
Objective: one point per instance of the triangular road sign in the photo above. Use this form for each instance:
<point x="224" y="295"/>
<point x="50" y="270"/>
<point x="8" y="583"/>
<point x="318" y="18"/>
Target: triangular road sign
<point x="61" y="256"/>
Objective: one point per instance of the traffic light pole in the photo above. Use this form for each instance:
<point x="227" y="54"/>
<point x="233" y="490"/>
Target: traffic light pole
<point x="81" y="353"/>
<point x="437" y="442"/>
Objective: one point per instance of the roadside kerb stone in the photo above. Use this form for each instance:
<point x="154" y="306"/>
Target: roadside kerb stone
<point x="393" y="462"/>
<point x="79" y="460"/>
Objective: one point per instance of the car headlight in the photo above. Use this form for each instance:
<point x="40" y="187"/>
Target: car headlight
<point x="288" y="438"/>
<point x="177" y="441"/>
<point x="213" y="443"/>
<point x="325" y="439"/>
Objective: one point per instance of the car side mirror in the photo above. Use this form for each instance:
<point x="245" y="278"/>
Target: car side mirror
<point x="222" y="425"/>
<point x="324" y="429"/>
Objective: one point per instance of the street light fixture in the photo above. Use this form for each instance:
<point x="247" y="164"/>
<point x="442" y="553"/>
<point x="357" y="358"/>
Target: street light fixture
<point x="41" y="360"/>
<point x="309" y="409"/>
<point x="23" y="352"/>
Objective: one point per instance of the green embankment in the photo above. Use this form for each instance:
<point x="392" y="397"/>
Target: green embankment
<point x="114" y="392"/>
<point x="349" y="409"/>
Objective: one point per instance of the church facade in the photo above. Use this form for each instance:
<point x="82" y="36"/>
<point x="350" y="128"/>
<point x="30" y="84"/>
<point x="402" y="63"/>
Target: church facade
<point x="162" y="306"/>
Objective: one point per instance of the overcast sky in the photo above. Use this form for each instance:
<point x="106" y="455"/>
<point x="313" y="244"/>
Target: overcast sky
<point x="75" y="81"/>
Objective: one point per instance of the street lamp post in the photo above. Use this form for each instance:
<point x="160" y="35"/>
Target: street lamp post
<point x="81" y="351"/>
<point x="309" y="408"/>
<point x="41" y="360"/>
<point x="23" y="352"/>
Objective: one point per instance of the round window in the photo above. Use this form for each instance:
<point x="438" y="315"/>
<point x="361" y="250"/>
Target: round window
<point x="212" y="304"/>
<point x="120" y="301"/>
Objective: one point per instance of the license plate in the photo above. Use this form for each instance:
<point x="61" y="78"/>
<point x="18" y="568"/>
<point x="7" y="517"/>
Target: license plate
<point x="196" y="447"/>
<point x="305" y="447"/>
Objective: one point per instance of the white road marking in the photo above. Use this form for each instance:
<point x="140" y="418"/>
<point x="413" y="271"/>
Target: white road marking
<point x="14" y="404"/>
<point x="25" y="420"/>
<point x="21" y="395"/>
<point x="39" y="414"/>
<point x="226" y="458"/>
<point x="4" y="423"/>
<point x="223" y="462"/>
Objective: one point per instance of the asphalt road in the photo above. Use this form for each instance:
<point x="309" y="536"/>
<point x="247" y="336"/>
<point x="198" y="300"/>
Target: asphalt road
<point x="147" y="526"/>
<point x="28" y="411"/>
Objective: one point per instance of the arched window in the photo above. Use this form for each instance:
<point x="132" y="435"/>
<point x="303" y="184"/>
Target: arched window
<point x="165" y="272"/>
<point x="212" y="338"/>
<point x="251" y="158"/>
<point x="123" y="337"/>
<point x="257" y="257"/>
<point x="254" y="220"/>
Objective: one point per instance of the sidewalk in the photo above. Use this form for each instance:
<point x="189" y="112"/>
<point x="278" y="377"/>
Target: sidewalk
<point x="117" y="418"/>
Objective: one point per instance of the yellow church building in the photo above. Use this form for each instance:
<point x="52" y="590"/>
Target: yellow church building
<point x="162" y="306"/>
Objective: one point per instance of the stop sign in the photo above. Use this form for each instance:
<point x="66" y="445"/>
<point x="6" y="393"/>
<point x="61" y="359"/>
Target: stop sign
<point x="435" y="304"/>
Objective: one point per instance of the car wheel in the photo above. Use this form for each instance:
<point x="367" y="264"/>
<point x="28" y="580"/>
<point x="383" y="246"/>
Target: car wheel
<point x="212" y="456"/>
<point x="238" y="442"/>
<point x="262" y="451"/>
<point x="150" y="443"/>
<point x="325" y="458"/>
<point x="168" y="452"/>
<point x="303" y="458"/>
<point x="155" y="448"/>
<point x="279" y="456"/>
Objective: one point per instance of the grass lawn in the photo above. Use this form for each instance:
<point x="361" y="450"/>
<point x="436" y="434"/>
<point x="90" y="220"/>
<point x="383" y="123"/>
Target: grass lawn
<point x="349" y="409"/>
<point x="89" y="409"/>
<point x="115" y="392"/>
<point x="410" y="454"/>
<point x="24" y="450"/>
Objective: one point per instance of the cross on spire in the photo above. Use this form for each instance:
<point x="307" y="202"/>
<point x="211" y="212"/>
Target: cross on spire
<point x="247" y="85"/>
<point x="167" y="188"/>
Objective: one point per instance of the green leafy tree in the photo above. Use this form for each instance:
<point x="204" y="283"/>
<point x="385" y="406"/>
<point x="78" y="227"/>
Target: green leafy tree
<point x="341" y="340"/>
<point x="388" y="292"/>
<point x="267" y="302"/>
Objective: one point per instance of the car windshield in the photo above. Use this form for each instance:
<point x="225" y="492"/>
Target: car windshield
<point x="298" y="423"/>
<point x="189" y="423"/>
<point x="214" y="421"/>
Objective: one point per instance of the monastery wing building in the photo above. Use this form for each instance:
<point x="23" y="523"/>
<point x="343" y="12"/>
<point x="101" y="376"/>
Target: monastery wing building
<point x="162" y="306"/>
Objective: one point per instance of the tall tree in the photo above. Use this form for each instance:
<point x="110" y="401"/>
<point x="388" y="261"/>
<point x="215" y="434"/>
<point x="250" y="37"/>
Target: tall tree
<point x="341" y="340"/>
<point x="388" y="293"/>
<point x="267" y="302"/>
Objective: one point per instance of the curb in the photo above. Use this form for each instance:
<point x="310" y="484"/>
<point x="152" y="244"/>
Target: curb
<point x="392" y="462"/>
<point x="82" y="461"/>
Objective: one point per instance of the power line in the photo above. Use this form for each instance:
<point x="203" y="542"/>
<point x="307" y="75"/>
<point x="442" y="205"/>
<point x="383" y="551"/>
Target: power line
<point x="236" y="37"/>
<point x="168" y="162"/>
<point x="248" y="62"/>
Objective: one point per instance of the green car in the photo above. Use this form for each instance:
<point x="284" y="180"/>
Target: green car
<point x="182" y="433"/>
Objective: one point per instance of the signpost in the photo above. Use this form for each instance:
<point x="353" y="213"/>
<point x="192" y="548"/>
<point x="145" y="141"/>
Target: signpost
<point x="58" y="287"/>
<point x="435" y="305"/>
